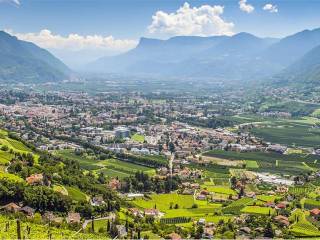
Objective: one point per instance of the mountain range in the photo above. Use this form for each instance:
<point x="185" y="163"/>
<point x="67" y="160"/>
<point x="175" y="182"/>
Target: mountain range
<point x="22" y="61"/>
<point x="242" y="56"/>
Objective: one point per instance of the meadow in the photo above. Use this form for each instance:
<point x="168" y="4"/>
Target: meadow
<point x="76" y="195"/>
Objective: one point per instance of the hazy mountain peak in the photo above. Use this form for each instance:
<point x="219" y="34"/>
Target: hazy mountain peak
<point x="24" y="61"/>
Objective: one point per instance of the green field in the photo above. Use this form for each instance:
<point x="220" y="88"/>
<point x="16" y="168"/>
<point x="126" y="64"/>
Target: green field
<point x="76" y="194"/>
<point x="221" y="189"/>
<point x="138" y="138"/>
<point x="258" y="210"/>
<point x="251" y="164"/>
<point x="162" y="201"/>
<point x="5" y="157"/>
<point x="268" y="198"/>
<point x="110" y="167"/>
<point x="270" y="161"/>
<point x="61" y="189"/>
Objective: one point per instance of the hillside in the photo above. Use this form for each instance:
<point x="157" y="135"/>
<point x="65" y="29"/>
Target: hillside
<point x="305" y="71"/>
<point x="242" y="56"/>
<point x="22" y="61"/>
<point x="187" y="56"/>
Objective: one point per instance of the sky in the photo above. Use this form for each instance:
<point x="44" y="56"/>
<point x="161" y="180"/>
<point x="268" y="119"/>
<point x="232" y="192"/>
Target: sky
<point x="80" y="31"/>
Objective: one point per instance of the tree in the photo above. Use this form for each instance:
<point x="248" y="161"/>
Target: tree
<point x="268" y="231"/>
<point x="233" y="182"/>
<point x="199" y="232"/>
<point x="171" y="147"/>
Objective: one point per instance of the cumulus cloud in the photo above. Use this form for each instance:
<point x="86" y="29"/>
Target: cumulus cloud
<point x="15" y="2"/>
<point x="245" y="7"/>
<point x="205" y="20"/>
<point x="271" y="8"/>
<point x="75" y="42"/>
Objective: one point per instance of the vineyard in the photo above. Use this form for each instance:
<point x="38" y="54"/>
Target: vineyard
<point x="301" y="190"/>
<point x="176" y="220"/>
<point x="258" y="210"/>
<point x="310" y="204"/>
<point x="8" y="230"/>
<point x="236" y="206"/>
<point x="304" y="228"/>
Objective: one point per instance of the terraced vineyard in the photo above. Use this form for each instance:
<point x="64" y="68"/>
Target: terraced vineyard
<point x="236" y="206"/>
<point x="38" y="231"/>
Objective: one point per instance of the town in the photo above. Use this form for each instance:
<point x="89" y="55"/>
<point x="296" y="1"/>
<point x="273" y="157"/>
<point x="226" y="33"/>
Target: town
<point x="202" y="167"/>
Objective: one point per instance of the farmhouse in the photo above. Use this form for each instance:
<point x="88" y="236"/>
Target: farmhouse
<point x="282" y="220"/>
<point x="174" y="236"/>
<point x="27" y="210"/>
<point x="97" y="201"/>
<point x="10" y="207"/>
<point x="73" y="218"/>
<point x="135" y="212"/>
<point x="315" y="213"/>
<point x="114" y="184"/>
<point x="35" y="179"/>
<point x="153" y="212"/>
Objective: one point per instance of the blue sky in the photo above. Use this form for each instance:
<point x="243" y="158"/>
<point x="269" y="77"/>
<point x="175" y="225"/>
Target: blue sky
<point x="125" y="21"/>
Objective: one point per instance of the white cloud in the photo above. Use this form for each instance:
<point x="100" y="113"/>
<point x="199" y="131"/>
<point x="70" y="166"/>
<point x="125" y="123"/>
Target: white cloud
<point x="205" y="20"/>
<point x="15" y="2"/>
<point x="271" y="8"/>
<point x="75" y="42"/>
<point x="245" y="7"/>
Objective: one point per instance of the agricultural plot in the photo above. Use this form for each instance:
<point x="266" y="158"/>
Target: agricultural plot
<point x="270" y="162"/>
<point x="251" y="164"/>
<point x="223" y="162"/>
<point x="5" y="157"/>
<point x="38" y="231"/>
<point x="258" y="210"/>
<point x="111" y="173"/>
<point x="236" y="206"/>
<point x="76" y="195"/>
<point x="297" y="132"/>
<point x="221" y="189"/>
<point x="310" y="204"/>
<point x="301" y="226"/>
<point x="301" y="190"/>
<point x="268" y="198"/>
<point x="221" y="181"/>
<point x="85" y="162"/>
<point x="163" y="201"/>
<point x="110" y="167"/>
<point x="125" y="167"/>
<point x="14" y="145"/>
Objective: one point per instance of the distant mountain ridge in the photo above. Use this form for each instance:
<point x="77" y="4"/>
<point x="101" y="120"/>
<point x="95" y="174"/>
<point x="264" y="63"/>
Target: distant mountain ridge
<point x="22" y="61"/>
<point x="242" y="56"/>
<point x="304" y="71"/>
